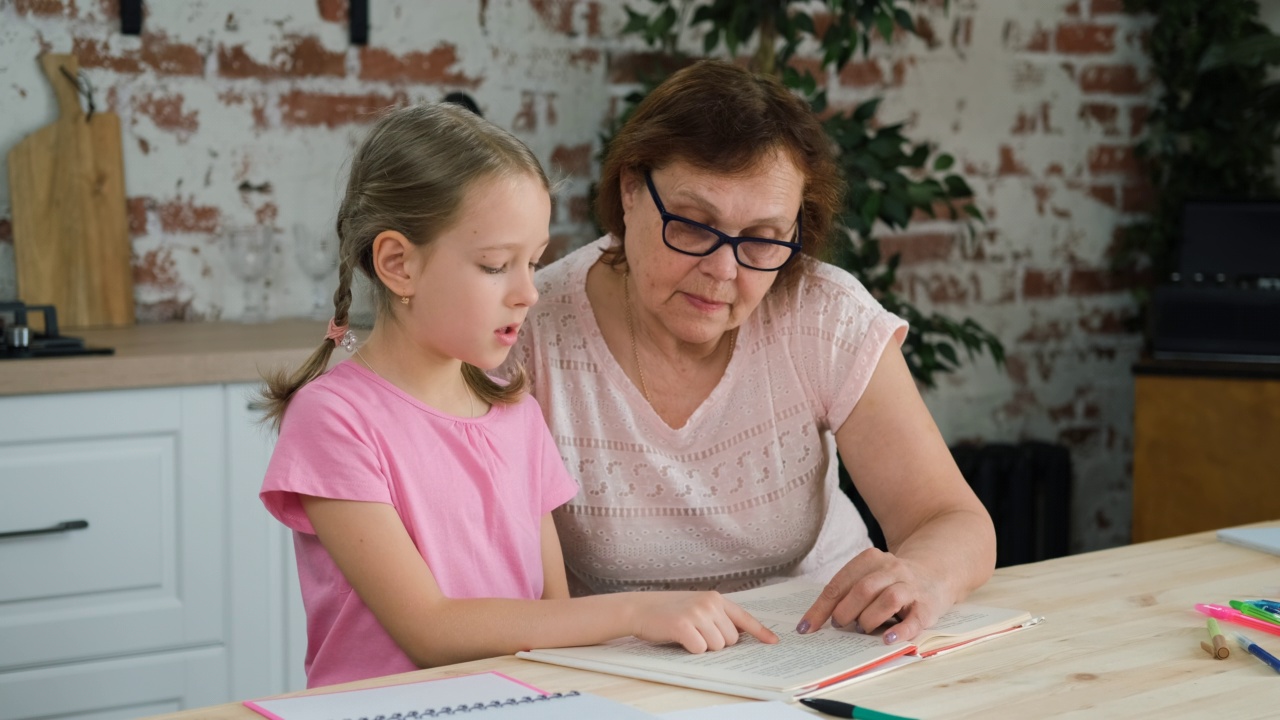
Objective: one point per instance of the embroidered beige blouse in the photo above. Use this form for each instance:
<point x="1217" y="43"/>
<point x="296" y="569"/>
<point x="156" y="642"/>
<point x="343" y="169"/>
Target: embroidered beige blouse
<point x="747" y="491"/>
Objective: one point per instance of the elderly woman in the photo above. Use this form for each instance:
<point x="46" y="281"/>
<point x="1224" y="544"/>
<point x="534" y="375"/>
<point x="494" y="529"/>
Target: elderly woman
<point x="699" y="369"/>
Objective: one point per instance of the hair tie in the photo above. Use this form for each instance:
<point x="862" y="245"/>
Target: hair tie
<point x="341" y="336"/>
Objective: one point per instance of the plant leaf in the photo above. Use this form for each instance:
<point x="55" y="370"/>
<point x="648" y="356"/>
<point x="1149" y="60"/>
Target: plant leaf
<point x="866" y="110"/>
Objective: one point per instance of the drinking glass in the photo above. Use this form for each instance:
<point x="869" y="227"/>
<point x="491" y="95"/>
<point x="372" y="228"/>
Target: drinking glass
<point x="317" y="253"/>
<point x="249" y="249"/>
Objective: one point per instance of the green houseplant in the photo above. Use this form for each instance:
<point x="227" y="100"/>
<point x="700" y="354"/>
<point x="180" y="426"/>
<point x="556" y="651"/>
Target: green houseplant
<point x="1214" y="126"/>
<point x="890" y="178"/>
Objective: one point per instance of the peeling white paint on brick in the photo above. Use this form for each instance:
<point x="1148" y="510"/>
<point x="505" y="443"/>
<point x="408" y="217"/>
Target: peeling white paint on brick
<point x="984" y="93"/>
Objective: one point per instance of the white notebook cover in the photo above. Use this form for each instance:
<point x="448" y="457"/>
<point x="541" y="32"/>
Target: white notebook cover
<point x="1265" y="539"/>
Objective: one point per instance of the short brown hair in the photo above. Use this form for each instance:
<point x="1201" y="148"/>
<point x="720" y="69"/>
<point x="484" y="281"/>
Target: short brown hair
<point x="722" y="118"/>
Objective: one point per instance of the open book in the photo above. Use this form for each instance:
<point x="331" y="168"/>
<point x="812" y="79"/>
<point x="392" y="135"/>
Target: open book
<point x="798" y="665"/>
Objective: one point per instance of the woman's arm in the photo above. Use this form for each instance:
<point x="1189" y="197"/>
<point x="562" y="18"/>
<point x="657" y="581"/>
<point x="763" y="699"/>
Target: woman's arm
<point x="371" y="547"/>
<point x="940" y="537"/>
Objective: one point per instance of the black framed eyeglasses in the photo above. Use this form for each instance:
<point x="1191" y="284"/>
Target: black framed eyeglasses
<point x="693" y="238"/>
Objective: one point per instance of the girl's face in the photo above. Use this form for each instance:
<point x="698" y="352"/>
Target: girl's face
<point x="698" y="299"/>
<point x="473" y="285"/>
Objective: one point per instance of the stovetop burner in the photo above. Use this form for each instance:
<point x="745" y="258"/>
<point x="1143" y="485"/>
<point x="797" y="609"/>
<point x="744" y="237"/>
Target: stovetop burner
<point x="18" y="340"/>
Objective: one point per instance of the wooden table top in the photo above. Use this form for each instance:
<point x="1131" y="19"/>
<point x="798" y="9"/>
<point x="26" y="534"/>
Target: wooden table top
<point x="1121" y="639"/>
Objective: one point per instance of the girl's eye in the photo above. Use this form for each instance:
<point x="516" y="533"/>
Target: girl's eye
<point x="492" y="270"/>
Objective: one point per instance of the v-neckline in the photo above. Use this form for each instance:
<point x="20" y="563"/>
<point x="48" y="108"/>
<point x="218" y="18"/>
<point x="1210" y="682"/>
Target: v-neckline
<point x="596" y="346"/>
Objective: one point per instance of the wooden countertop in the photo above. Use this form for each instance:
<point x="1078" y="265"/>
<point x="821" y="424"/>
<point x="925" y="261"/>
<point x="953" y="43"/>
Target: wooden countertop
<point x="165" y="354"/>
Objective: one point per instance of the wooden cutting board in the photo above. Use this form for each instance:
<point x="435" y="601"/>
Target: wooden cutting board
<point x="70" y="229"/>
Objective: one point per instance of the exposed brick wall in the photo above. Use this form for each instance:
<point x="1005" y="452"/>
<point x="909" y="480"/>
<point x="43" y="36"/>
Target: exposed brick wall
<point x="242" y="112"/>
<point x="1041" y="104"/>
<point x="246" y="112"/>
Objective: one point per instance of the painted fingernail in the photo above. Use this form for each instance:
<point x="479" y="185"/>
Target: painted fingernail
<point x="857" y="627"/>
<point x="890" y="638"/>
<point x="835" y="623"/>
<point x="803" y="627"/>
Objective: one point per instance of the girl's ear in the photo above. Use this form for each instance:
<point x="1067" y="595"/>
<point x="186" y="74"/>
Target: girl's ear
<point x="391" y="260"/>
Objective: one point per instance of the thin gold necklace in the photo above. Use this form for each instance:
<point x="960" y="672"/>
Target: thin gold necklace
<point x="631" y="331"/>
<point x="471" y="408"/>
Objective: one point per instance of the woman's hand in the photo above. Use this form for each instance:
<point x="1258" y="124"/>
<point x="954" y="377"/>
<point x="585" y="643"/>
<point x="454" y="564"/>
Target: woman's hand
<point x="941" y="540"/>
<point x="699" y="621"/>
<point x="878" y="588"/>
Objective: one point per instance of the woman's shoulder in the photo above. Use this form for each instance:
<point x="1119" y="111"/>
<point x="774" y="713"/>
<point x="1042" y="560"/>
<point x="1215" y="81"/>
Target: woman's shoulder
<point x="565" y="280"/>
<point x="824" y="290"/>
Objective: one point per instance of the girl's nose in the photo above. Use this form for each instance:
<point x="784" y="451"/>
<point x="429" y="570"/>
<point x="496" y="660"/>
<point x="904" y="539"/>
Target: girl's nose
<point x="526" y="292"/>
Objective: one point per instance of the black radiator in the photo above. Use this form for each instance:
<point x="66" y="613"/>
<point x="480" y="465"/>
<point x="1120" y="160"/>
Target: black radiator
<point x="1026" y="488"/>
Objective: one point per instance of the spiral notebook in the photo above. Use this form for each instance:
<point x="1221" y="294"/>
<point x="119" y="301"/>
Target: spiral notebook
<point x="483" y="696"/>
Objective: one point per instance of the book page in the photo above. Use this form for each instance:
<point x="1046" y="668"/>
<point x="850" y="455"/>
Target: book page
<point x="788" y="602"/>
<point x="967" y="622"/>
<point x="781" y="602"/>
<point x="795" y="661"/>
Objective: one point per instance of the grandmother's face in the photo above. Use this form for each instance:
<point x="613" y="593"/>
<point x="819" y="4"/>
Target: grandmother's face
<point x="698" y="299"/>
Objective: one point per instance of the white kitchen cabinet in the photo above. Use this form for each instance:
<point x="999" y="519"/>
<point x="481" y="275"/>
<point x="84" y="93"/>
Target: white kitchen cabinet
<point x="268" y="601"/>
<point x="180" y="592"/>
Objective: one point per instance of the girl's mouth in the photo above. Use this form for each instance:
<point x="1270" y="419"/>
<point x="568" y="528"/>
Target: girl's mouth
<point x="507" y="334"/>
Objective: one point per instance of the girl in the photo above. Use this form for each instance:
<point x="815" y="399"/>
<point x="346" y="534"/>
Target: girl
<point x="407" y="474"/>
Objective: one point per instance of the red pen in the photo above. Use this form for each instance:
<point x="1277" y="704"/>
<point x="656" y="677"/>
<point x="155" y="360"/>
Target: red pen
<point x="1235" y="616"/>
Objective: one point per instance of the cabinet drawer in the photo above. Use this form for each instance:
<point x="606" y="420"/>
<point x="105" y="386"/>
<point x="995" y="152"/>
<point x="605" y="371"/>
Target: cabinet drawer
<point x="144" y="470"/>
<point x="117" y="689"/>
<point x="123" y="487"/>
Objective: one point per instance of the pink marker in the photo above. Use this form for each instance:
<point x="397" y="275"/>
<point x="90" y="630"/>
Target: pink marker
<point x="1235" y="616"/>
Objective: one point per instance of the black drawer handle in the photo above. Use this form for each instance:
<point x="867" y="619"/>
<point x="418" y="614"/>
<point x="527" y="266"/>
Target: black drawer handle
<point x="63" y="526"/>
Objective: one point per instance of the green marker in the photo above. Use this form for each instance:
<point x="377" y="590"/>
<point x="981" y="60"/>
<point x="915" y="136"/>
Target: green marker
<point x="1255" y="612"/>
<point x="836" y="708"/>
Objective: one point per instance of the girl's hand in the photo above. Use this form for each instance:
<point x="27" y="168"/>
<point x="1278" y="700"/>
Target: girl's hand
<point x="878" y="588"/>
<point x="699" y="621"/>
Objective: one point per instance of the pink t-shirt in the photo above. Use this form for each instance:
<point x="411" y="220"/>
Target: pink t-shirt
<point x="747" y="492"/>
<point x="470" y="491"/>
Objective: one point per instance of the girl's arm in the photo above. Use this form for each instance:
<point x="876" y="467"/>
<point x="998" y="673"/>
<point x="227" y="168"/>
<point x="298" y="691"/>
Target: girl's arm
<point x="555" y="585"/>
<point x="371" y="547"/>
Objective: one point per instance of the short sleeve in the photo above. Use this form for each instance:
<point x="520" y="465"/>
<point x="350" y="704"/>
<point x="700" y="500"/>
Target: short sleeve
<point x="839" y="332"/>
<point x="325" y="449"/>
<point x="558" y="487"/>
